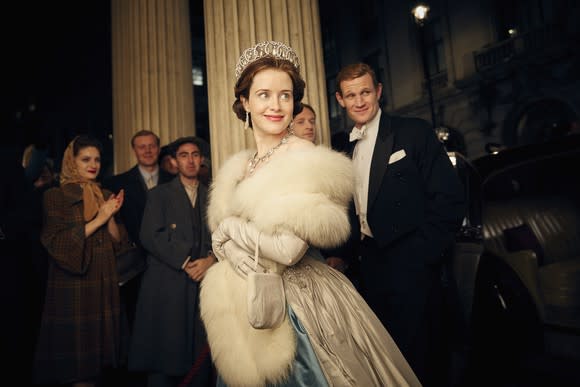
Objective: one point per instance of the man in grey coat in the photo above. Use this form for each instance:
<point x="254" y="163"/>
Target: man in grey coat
<point x="168" y="336"/>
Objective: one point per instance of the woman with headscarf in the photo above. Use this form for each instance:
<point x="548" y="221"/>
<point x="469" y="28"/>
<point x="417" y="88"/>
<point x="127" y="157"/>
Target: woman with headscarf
<point x="80" y="330"/>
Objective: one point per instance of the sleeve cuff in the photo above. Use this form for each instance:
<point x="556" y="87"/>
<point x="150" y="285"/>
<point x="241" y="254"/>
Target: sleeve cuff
<point x="186" y="262"/>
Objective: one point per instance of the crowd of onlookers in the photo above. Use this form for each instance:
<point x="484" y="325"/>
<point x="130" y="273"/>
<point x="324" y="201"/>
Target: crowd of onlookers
<point x="32" y="171"/>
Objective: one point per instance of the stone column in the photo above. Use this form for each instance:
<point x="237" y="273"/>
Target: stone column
<point x="152" y="79"/>
<point x="234" y="25"/>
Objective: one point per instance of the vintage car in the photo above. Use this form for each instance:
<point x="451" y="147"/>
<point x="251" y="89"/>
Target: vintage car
<point x="516" y="266"/>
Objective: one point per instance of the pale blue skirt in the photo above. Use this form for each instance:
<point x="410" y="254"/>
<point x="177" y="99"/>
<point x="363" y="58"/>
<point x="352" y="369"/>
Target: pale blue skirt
<point x="306" y="371"/>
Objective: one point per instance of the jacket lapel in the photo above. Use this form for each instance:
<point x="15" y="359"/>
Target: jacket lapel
<point x="200" y="211"/>
<point x="383" y="148"/>
<point x="178" y="196"/>
<point x="138" y="182"/>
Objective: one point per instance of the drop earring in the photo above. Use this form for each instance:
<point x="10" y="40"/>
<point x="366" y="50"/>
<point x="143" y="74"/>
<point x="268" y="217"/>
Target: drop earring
<point x="291" y="127"/>
<point x="247" y="124"/>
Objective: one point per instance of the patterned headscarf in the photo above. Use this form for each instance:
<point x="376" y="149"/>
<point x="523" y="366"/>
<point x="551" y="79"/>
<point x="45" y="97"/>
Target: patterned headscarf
<point x="92" y="195"/>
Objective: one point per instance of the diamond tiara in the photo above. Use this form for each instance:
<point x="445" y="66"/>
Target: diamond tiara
<point x="277" y="50"/>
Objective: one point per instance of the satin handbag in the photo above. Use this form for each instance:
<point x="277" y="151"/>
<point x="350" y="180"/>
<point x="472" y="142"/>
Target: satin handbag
<point x="266" y="297"/>
<point x="130" y="263"/>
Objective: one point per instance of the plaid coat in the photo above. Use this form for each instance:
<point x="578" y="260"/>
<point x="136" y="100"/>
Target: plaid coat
<point x="80" y="328"/>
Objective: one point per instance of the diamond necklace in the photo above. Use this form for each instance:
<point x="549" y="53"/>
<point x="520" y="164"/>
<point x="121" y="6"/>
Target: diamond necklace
<point x="255" y="160"/>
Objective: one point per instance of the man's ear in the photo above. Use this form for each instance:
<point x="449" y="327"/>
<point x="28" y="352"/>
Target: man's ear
<point x="339" y="99"/>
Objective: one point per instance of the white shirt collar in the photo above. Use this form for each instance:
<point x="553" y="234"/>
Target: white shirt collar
<point x="146" y="174"/>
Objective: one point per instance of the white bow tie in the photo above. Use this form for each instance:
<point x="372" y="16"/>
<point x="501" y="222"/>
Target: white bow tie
<point x="357" y="134"/>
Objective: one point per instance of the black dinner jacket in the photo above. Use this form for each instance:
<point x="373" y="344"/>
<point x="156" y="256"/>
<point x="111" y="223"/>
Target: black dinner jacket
<point x="135" y="197"/>
<point x="416" y="204"/>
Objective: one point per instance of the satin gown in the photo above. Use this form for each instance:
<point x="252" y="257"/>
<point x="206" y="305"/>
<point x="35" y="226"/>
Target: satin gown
<point x="340" y="341"/>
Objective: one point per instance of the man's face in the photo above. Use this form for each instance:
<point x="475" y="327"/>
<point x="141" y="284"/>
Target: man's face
<point x="188" y="159"/>
<point x="360" y="98"/>
<point x="146" y="150"/>
<point x="305" y="125"/>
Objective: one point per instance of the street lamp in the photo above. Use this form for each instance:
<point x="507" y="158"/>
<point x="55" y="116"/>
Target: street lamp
<point x="421" y="14"/>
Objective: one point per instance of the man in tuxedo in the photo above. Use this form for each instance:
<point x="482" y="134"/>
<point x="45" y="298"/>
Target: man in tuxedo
<point x="136" y="182"/>
<point x="408" y="204"/>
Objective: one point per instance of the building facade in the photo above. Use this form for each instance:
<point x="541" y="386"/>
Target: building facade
<point x="501" y="72"/>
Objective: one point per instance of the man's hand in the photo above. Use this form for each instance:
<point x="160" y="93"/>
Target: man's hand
<point x="196" y="269"/>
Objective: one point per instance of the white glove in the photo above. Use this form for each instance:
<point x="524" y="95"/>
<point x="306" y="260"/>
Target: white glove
<point x="241" y="260"/>
<point x="283" y="247"/>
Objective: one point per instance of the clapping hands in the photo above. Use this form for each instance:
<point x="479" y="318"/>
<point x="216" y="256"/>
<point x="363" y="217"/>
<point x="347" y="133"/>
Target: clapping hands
<point x="112" y="205"/>
<point x="106" y="213"/>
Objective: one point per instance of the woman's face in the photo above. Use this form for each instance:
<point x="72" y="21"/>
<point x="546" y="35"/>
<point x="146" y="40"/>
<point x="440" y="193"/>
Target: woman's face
<point x="88" y="163"/>
<point x="270" y="101"/>
<point x="305" y="125"/>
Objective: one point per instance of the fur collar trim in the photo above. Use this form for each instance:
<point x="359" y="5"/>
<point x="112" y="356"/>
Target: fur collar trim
<point x="305" y="191"/>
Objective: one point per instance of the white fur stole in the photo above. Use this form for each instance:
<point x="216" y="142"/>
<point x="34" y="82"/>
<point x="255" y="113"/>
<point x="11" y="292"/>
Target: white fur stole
<point x="305" y="191"/>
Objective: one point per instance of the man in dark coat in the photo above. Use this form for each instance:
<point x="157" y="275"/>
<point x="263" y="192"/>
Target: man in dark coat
<point x="168" y="337"/>
<point x="145" y="175"/>
<point x="408" y="204"/>
<point x="136" y="182"/>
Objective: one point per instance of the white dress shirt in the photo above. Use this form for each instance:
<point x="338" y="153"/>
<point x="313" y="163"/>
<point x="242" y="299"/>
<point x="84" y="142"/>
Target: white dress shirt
<point x="191" y="192"/>
<point x="362" y="157"/>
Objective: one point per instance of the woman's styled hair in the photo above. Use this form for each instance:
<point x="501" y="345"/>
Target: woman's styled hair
<point x="84" y="141"/>
<point x="244" y="83"/>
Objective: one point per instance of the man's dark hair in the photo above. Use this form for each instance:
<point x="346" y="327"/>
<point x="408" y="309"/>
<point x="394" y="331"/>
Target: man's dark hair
<point x="307" y="106"/>
<point x="164" y="151"/>
<point x="353" y="71"/>
<point x="174" y="146"/>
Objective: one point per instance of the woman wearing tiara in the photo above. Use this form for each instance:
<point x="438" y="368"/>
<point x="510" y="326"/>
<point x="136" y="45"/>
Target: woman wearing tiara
<point x="270" y="210"/>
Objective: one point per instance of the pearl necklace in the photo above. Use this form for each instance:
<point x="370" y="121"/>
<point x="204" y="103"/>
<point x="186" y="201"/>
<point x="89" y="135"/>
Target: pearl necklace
<point x="255" y="160"/>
